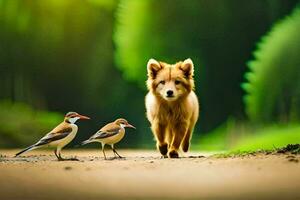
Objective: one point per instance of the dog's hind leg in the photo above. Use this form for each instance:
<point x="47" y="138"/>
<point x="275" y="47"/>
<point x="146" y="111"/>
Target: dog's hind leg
<point x="178" y="135"/>
<point x="186" y="140"/>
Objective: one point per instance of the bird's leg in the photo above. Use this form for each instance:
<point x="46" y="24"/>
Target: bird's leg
<point x="115" y="152"/>
<point x="72" y="159"/>
<point x="59" y="155"/>
<point x="115" y="155"/>
<point x="56" y="154"/>
<point x="103" y="145"/>
<point x="112" y="147"/>
<point x="65" y="159"/>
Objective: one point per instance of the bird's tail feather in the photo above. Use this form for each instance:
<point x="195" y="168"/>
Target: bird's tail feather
<point x="85" y="142"/>
<point x="27" y="149"/>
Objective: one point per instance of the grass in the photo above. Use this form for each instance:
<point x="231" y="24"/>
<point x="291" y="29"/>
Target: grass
<point x="213" y="141"/>
<point x="216" y="140"/>
<point x="269" y="138"/>
<point x="242" y="139"/>
<point x="288" y="149"/>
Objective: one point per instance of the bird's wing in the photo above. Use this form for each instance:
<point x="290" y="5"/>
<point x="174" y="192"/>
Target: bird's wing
<point x="107" y="132"/>
<point x="53" y="136"/>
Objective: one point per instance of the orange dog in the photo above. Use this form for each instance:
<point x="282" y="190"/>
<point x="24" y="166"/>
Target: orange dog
<point x="172" y="106"/>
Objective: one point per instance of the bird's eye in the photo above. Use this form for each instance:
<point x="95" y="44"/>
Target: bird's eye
<point x="177" y="82"/>
<point x="162" y="82"/>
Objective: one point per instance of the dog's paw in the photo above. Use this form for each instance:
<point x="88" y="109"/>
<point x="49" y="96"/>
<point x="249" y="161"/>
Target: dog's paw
<point x="173" y="154"/>
<point x="185" y="147"/>
<point x="163" y="149"/>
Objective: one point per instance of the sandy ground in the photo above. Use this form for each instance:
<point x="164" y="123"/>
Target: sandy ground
<point x="144" y="175"/>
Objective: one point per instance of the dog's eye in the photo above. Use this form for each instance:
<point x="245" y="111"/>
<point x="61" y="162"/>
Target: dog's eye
<point x="162" y="82"/>
<point x="177" y="82"/>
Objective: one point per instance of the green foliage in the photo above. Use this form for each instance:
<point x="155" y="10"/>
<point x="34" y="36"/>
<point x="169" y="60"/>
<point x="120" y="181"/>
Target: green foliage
<point x="21" y="125"/>
<point x="273" y="83"/>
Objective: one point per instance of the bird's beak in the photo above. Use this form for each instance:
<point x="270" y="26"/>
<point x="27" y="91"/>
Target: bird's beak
<point x="83" y="117"/>
<point x="130" y="126"/>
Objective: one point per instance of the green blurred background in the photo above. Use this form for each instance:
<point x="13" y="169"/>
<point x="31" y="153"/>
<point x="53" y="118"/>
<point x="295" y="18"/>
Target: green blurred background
<point x="90" y="56"/>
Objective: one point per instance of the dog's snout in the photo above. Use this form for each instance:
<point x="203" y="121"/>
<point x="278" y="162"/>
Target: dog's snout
<point x="170" y="93"/>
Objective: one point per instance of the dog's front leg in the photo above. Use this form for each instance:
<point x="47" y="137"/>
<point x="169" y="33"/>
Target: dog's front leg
<point x="159" y="131"/>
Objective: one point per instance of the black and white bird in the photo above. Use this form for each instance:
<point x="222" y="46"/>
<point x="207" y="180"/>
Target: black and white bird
<point x="110" y="134"/>
<point x="60" y="136"/>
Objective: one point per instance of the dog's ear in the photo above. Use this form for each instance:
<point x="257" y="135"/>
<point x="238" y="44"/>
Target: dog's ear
<point x="153" y="67"/>
<point x="187" y="67"/>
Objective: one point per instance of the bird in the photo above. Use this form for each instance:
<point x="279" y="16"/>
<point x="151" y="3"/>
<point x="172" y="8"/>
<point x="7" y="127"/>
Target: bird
<point x="110" y="134"/>
<point x="60" y="136"/>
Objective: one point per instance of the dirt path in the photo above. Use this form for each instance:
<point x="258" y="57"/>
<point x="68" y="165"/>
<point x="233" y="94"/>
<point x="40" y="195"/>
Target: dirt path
<point x="143" y="175"/>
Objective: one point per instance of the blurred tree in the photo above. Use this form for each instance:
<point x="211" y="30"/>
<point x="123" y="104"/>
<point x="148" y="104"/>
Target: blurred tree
<point x="217" y="35"/>
<point x="273" y="83"/>
<point x="47" y="48"/>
